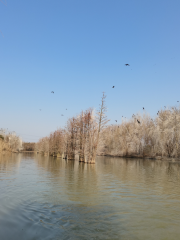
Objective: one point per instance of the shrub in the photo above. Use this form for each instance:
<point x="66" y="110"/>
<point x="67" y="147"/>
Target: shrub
<point x="2" y="137"/>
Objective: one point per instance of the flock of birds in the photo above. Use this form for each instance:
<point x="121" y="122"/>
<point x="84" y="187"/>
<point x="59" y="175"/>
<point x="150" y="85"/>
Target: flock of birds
<point x="112" y="87"/>
<point x="127" y="65"/>
<point x="144" y="109"/>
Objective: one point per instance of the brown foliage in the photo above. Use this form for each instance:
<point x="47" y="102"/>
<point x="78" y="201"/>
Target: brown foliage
<point x="81" y="136"/>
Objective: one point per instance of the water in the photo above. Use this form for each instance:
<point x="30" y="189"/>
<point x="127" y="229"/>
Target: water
<point x="48" y="198"/>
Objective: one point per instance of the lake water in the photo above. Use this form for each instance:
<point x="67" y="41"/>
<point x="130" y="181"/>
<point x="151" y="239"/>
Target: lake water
<point x="48" y="198"/>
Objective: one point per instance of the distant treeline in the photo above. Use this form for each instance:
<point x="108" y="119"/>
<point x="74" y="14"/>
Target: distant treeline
<point x="88" y="134"/>
<point x="28" y="146"/>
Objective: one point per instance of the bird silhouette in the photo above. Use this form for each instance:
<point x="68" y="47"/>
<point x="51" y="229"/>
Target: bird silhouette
<point x="143" y="108"/>
<point x="127" y="64"/>
<point x="52" y="92"/>
<point x="138" y="121"/>
<point x="39" y="109"/>
<point x="66" y="108"/>
<point x="62" y="115"/>
<point x="115" y="120"/>
<point x="113" y="86"/>
<point x="177" y="101"/>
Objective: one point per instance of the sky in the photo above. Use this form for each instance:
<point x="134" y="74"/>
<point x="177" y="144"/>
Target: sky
<point x="79" y="49"/>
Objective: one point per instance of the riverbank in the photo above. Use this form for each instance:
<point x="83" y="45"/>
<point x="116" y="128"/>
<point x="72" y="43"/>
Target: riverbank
<point x="139" y="137"/>
<point x="4" y="147"/>
<point x="163" y="158"/>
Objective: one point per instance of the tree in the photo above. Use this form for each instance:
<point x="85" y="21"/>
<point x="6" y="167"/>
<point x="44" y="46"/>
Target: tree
<point x="102" y="121"/>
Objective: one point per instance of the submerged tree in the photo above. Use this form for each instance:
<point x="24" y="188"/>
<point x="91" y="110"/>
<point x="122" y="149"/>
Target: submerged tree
<point x="81" y="136"/>
<point x="87" y="135"/>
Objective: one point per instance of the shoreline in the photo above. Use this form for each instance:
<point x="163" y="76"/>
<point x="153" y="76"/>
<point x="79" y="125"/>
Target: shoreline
<point x="163" y="158"/>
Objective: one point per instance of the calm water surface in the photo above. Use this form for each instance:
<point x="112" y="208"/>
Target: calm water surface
<point x="47" y="198"/>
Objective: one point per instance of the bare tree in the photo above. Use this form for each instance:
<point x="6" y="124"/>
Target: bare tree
<point x="102" y="121"/>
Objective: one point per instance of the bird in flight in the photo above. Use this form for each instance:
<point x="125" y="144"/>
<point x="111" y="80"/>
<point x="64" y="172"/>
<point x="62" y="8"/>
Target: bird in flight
<point x="62" y="115"/>
<point x="115" y="120"/>
<point x="127" y="64"/>
<point x="113" y="86"/>
<point x="66" y="108"/>
<point x="52" y="92"/>
<point x="177" y="101"/>
<point x="39" y="109"/>
<point x="138" y="121"/>
<point x="143" y="108"/>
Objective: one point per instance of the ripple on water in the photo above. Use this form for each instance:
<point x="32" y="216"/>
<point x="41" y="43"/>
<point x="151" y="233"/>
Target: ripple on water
<point x="47" y="198"/>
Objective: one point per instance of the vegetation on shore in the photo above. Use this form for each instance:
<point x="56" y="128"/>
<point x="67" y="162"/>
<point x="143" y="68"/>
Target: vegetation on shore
<point x="87" y="135"/>
<point x="9" y="142"/>
<point x="142" y="136"/>
<point x="28" y="146"/>
<point x="81" y="136"/>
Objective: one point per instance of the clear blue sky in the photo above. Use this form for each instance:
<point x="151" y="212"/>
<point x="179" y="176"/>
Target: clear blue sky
<point x="78" y="49"/>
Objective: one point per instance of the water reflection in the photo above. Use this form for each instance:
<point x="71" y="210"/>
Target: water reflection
<point x="8" y="161"/>
<point x="48" y="198"/>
